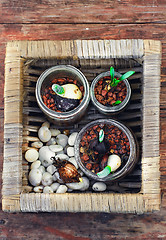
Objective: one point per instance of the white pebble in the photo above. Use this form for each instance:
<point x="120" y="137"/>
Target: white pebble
<point x="51" y="169"/>
<point x="56" y="148"/>
<point x="75" y="186"/>
<point x="35" y="164"/>
<point x="47" y="179"/>
<point x="61" y="152"/>
<point x="72" y="138"/>
<point x="65" y="149"/>
<point x="52" y="141"/>
<point x="45" y="155"/>
<point x="62" y="157"/>
<point x="35" y="177"/>
<point x="62" y="140"/>
<point x="46" y="124"/>
<point x="86" y="183"/>
<point x="54" y="132"/>
<point x="37" y="144"/>
<point x="69" y="190"/>
<point x="54" y="186"/>
<point x="70" y="151"/>
<point x="44" y="134"/>
<point x="47" y="189"/>
<point x="114" y="161"/>
<point x="54" y="177"/>
<point x="99" y="186"/>
<point x="59" y="180"/>
<point x="42" y="169"/>
<point x="31" y="155"/>
<point x="61" y="189"/>
<point x="73" y="161"/>
<point x="38" y="189"/>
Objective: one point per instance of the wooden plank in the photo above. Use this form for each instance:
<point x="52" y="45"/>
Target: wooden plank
<point x="78" y="31"/>
<point x="75" y="11"/>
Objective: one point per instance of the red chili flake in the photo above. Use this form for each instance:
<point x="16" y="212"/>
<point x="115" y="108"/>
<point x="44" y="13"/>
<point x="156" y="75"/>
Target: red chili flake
<point x="55" y="80"/>
<point x="85" y="157"/>
<point x="89" y="138"/>
<point x="104" y="92"/>
<point x="100" y="82"/>
<point x="89" y="166"/>
<point x="94" y="127"/>
<point x="99" y="98"/>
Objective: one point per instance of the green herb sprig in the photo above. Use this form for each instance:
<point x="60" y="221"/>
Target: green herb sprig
<point x="114" y="81"/>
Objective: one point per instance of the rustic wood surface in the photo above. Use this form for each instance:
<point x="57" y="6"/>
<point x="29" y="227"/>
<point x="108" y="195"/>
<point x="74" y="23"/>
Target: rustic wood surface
<point x="65" y="20"/>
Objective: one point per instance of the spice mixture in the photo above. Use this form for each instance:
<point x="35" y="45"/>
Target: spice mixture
<point x="94" y="155"/>
<point x="107" y="95"/>
<point x="51" y="100"/>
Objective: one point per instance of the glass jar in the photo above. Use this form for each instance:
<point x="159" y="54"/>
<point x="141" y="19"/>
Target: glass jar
<point x="62" y="71"/>
<point x="112" y="109"/>
<point x="132" y="159"/>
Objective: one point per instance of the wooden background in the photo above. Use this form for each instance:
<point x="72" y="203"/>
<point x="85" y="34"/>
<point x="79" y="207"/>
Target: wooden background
<point x="88" y="19"/>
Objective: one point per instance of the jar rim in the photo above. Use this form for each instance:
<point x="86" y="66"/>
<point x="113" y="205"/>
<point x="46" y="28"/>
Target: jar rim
<point x="111" y="109"/>
<point x="68" y="114"/>
<point x="132" y="157"/>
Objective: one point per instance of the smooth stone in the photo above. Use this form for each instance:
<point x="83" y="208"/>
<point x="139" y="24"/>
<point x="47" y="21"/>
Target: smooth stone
<point x="61" y="189"/>
<point x="54" y="132"/>
<point x="56" y="148"/>
<point x="47" y="189"/>
<point x="46" y="163"/>
<point x="45" y="155"/>
<point x="37" y="144"/>
<point x="73" y="161"/>
<point x="36" y="164"/>
<point x="99" y="186"/>
<point x="61" y="152"/>
<point x="47" y="179"/>
<point x="35" y="177"/>
<point x="44" y="134"/>
<point x="54" y="186"/>
<point x="86" y="183"/>
<point x="31" y="155"/>
<point x="51" y="169"/>
<point x="46" y="124"/>
<point x="114" y="161"/>
<point x="52" y="141"/>
<point x="72" y="138"/>
<point x="54" y="177"/>
<point x="42" y="169"/>
<point x="38" y="189"/>
<point x="70" y="151"/>
<point x="57" y="176"/>
<point x="62" y="140"/>
<point x="69" y="190"/>
<point x="59" y="180"/>
<point x="65" y="149"/>
<point x="75" y="186"/>
<point x="62" y="157"/>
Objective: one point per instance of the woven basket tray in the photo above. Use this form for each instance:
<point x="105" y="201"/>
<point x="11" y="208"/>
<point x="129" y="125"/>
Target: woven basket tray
<point x="25" y="61"/>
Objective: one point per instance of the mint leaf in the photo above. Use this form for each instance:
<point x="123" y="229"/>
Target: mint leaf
<point x="126" y="75"/>
<point x="116" y="103"/>
<point x="112" y="73"/>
